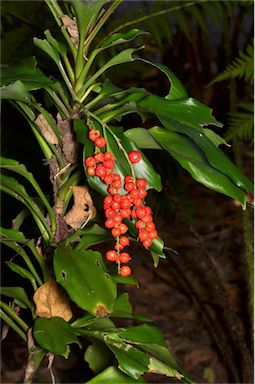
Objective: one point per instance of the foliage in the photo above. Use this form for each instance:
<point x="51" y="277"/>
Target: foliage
<point x="83" y="102"/>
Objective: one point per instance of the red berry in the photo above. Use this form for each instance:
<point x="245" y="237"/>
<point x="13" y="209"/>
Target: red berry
<point x="115" y="176"/>
<point x="150" y="226"/>
<point x="138" y="202"/>
<point x="140" y="224"/>
<point x="117" y="198"/>
<point x="116" y="184"/>
<point x="117" y="219"/>
<point x="109" y="164"/>
<point x="108" y="156"/>
<point x="116" y="232"/>
<point x="91" y="171"/>
<point x="109" y="213"/>
<point x="143" y="235"/>
<point x="108" y="179"/>
<point x="125" y="204"/>
<point x="125" y="213"/>
<point x="147" y="219"/>
<point x="129" y="179"/>
<point x="133" y="214"/>
<point x="109" y="223"/>
<point x="129" y="186"/>
<point x="115" y="205"/>
<point x="134" y="194"/>
<point x="141" y="183"/>
<point x="100" y="142"/>
<point x="90" y="161"/>
<point x="107" y="200"/>
<point x="125" y="270"/>
<point x="94" y="134"/>
<point x="99" y="157"/>
<point x="124" y="257"/>
<point x="134" y="156"/>
<point x="124" y="241"/>
<point x="111" y="190"/>
<point x="123" y="228"/>
<point x="111" y="255"/>
<point x="147" y="243"/>
<point x="100" y="171"/>
<point x="141" y="212"/>
<point x="142" y="193"/>
<point x="153" y="234"/>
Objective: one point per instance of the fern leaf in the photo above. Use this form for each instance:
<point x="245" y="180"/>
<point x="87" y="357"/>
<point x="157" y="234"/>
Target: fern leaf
<point x="241" y="122"/>
<point x="241" y="67"/>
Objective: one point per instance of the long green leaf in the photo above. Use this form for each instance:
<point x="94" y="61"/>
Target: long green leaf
<point x="18" y="294"/>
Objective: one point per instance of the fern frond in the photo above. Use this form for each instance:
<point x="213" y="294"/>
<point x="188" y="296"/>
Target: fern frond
<point x="241" y="122"/>
<point x="241" y="67"/>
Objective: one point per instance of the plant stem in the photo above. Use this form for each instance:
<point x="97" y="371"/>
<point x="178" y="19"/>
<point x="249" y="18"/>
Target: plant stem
<point x="10" y="312"/>
<point x="39" y="259"/>
<point x="59" y="103"/>
<point x="11" y="324"/>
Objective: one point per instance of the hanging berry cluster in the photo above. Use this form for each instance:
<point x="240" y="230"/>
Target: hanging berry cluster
<point x="119" y="206"/>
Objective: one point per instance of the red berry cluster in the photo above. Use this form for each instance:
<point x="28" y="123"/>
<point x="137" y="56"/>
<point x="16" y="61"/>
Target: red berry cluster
<point x="121" y="206"/>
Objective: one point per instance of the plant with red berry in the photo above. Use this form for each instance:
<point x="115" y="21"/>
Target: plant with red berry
<point x="59" y="258"/>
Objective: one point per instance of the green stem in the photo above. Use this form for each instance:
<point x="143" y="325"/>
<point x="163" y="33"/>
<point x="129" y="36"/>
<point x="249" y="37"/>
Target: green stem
<point x="66" y="80"/>
<point x="99" y="25"/>
<point x="40" y="260"/>
<point x="94" y="101"/>
<point x="68" y="68"/>
<point x="57" y="13"/>
<point x="10" y="312"/>
<point x="19" y="250"/>
<point x="85" y="70"/>
<point x="61" y="107"/>
<point x="82" y="95"/>
<point x="11" y="324"/>
<point x="147" y="17"/>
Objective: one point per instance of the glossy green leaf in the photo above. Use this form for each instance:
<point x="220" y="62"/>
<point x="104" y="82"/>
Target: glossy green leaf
<point x="214" y="155"/>
<point x="131" y="360"/>
<point x="76" y="271"/>
<point x="122" y="306"/>
<point x="119" y="38"/>
<point x="12" y="234"/>
<point x="97" y="356"/>
<point x="46" y="47"/>
<point x="214" y="138"/>
<point x="22" y="272"/>
<point x="58" y="45"/>
<point x="192" y="158"/>
<point x="124" y="280"/>
<point x="19" y="294"/>
<point x="55" y="335"/>
<point x="142" y="138"/>
<point x="92" y="236"/>
<point x="177" y="90"/>
<point x="143" y="334"/>
<point x="188" y="111"/>
<point x="30" y="76"/>
<point x="16" y="91"/>
<point x="114" y="376"/>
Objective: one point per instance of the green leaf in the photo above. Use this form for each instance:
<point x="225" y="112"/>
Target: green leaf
<point x="97" y="356"/>
<point x="122" y="306"/>
<point x="55" y="335"/>
<point x="188" y="111"/>
<point x="58" y="45"/>
<point x="214" y="138"/>
<point x="119" y="38"/>
<point x="13" y="234"/>
<point x="92" y="236"/>
<point x="46" y="47"/>
<point x="143" y="334"/>
<point x="192" y="158"/>
<point x="16" y="91"/>
<point x="76" y="271"/>
<point x="31" y="77"/>
<point x="177" y="90"/>
<point x="22" y="272"/>
<point x="19" y="294"/>
<point x="132" y="361"/>
<point x="142" y="138"/>
<point x="214" y="155"/>
<point x="114" y="376"/>
<point x="124" y="280"/>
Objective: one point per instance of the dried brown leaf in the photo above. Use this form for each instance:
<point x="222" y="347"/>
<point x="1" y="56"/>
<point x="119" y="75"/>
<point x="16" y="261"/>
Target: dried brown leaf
<point x="83" y="209"/>
<point x="69" y="144"/>
<point x="71" y="26"/>
<point x="46" y="130"/>
<point x="51" y="300"/>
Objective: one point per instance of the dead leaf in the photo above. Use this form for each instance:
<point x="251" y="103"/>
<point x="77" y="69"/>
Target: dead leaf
<point x="71" y="26"/>
<point x="83" y="209"/>
<point x="46" y="130"/>
<point x="69" y="144"/>
<point x="51" y="300"/>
